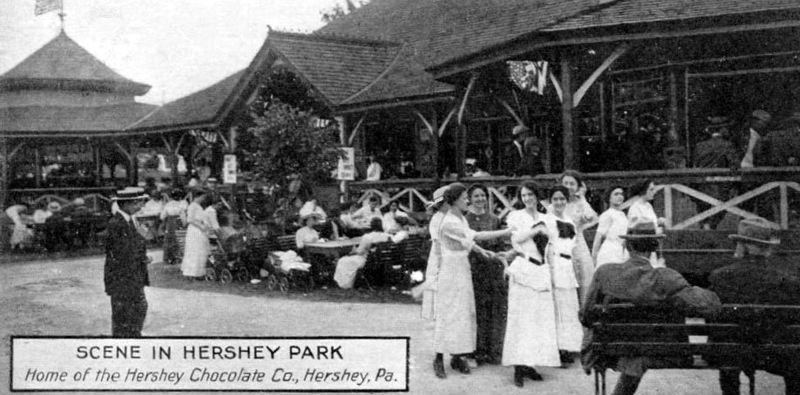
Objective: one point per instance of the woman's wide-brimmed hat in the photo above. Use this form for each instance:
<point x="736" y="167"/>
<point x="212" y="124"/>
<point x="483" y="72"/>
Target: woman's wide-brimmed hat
<point x="54" y="206"/>
<point x="756" y="231"/>
<point x="438" y="196"/>
<point x="130" y="193"/>
<point x="641" y="229"/>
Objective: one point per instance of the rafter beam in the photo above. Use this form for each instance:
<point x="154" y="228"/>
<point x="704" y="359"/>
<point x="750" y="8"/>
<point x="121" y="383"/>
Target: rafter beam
<point x="511" y="111"/>
<point x="463" y="105"/>
<point x="356" y="129"/>
<point x="619" y="51"/>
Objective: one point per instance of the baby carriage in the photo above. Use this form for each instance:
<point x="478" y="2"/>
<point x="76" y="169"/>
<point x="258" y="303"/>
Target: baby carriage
<point x="225" y="261"/>
<point x="288" y="271"/>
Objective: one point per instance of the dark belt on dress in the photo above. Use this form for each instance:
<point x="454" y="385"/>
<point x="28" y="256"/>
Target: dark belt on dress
<point x="565" y="256"/>
<point x="535" y="261"/>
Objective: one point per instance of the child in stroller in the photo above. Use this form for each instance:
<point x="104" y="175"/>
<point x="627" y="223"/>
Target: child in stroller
<point x="225" y="261"/>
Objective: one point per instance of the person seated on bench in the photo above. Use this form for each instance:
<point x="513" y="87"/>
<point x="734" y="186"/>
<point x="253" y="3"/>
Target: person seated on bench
<point x="307" y="234"/>
<point x="348" y="266"/>
<point x="754" y="279"/>
<point x="636" y="281"/>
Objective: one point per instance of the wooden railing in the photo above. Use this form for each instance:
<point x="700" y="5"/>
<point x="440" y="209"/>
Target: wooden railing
<point x="676" y="190"/>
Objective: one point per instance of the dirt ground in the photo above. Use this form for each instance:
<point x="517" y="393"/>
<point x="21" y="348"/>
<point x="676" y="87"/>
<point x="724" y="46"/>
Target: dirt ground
<point x="65" y="297"/>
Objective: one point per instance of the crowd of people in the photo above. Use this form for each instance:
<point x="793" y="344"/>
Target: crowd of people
<point x="519" y="291"/>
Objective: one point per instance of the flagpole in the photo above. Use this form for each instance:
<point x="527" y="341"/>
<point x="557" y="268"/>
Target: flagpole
<point x="61" y="14"/>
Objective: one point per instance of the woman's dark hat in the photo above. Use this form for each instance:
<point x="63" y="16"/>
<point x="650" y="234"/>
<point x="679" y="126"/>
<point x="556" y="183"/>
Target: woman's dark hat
<point x="130" y="193"/>
<point x="642" y="229"/>
<point x="756" y="231"/>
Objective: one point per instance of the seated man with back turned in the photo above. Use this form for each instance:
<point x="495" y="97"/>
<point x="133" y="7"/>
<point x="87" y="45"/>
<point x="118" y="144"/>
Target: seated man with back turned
<point x="754" y="279"/>
<point x="637" y="282"/>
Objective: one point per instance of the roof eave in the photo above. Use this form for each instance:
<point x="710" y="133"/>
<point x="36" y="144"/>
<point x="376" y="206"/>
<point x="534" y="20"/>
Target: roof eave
<point x="13" y="84"/>
<point x="544" y="38"/>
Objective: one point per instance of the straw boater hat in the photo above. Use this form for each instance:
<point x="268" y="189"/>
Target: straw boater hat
<point x="641" y="229"/>
<point x="438" y="196"/>
<point x="130" y="193"/>
<point x="519" y="129"/>
<point x="756" y="231"/>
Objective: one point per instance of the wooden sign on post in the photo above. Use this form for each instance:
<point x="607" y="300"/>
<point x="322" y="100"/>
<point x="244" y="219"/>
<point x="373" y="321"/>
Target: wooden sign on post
<point x="347" y="165"/>
<point x="229" y="170"/>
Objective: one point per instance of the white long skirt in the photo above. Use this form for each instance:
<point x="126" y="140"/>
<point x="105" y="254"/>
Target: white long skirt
<point x="456" y="327"/>
<point x="568" y="327"/>
<point x="531" y="337"/>
<point x="195" y="253"/>
<point x="346" y="270"/>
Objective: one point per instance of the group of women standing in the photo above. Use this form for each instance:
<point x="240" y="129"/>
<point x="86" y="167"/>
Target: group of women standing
<point x="517" y="306"/>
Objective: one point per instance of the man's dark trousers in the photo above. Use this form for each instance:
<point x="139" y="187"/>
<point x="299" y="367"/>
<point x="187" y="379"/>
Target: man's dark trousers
<point x="127" y="315"/>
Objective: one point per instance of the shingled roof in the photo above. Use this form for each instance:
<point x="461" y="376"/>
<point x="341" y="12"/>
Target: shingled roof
<point x="62" y="121"/>
<point x="64" y="64"/>
<point x="624" y="12"/>
<point x="198" y="109"/>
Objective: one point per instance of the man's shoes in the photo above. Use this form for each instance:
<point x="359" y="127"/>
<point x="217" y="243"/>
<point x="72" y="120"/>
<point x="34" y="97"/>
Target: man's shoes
<point x="438" y="368"/>
<point x="531" y="373"/>
<point x="459" y="364"/>
<point x="519" y="376"/>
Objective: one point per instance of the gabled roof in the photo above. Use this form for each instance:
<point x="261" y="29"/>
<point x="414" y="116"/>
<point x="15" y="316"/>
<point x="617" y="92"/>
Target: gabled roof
<point x="198" y="109"/>
<point x="439" y="30"/>
<point x="647" y="11"/>
<point x="64" y="64"/>
<point x="57" y="121"/>
<point x="339" y="68"/>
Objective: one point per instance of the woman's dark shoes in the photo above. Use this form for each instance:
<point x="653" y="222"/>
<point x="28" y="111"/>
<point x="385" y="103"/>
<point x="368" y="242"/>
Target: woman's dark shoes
<point x="482" y="359"/>
<point x="459" y="364"/>
<point x="519" y="376"/>
<point x="566" y="357"/>
<point x="531" y="373"/>
<point x="438" y="368"/>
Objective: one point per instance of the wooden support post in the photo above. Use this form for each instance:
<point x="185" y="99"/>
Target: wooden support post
<point x="435" y="144"/>
<point x="601" y="90"/>
<point x="37" y="169"/>
<point x="4" y="163"/>
<point x="461" y="136"/>
<point x="668" y="206"/>
<point x="343" y="192"/>
<point x="570" y="142"/>
<point x="784" y="206"/>
<point x="672" y="137"/>
<point x="687" y="142"/>
<point x="133" y="176"/>
<point x="98" y="165"/>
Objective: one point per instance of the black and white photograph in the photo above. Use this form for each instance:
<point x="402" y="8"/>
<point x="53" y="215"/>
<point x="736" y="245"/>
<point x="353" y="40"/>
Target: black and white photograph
<point x="419" y="196"/>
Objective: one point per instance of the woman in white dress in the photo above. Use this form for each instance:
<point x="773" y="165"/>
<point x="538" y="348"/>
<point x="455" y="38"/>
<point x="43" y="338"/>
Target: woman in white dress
<point x="565" y="283"/>
<point x="642" y="211"/>
<point x="347" y="266"/>
<point x="531" y="338"/>
<point x="608" y="246"/>
<point x="197" y="246"/>
<point x="455" y="329"/>
<point x="582" y="215"/>
<point x="428" y="288"/>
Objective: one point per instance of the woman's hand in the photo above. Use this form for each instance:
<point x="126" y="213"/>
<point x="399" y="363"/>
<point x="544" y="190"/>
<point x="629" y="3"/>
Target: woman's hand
<point x="661" y="221"/>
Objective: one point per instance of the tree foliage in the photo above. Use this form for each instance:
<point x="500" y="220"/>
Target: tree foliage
<point x="337" y="11"/>
<point x="286" y="140"/>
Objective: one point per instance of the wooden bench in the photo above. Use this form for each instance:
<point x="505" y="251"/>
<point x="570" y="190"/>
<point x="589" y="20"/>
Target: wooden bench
<point x="389" y="262"/>
<point x="738" y="336"/>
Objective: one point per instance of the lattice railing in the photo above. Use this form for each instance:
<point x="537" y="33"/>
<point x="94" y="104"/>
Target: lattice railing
<point x="775" y="188"/>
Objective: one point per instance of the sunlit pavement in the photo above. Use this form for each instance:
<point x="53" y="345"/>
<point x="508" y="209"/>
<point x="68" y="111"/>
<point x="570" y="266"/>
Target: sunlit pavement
<point x="66" y="298"/>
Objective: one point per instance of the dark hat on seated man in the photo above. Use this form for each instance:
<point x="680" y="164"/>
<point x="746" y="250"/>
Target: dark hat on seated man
<point x="520" y="129"/>
<point x="130" y="193"/>
<point x="762" y="115"/>
<point x="641" y="229"/>
<point x="756" y="231"/>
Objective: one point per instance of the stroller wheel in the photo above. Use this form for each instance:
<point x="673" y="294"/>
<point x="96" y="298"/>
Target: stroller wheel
<point x="211" y="274"/>
<point x="283" y="284"/>
<point x="243" y="275"/>
<point x="225" y="276"/>
<point x="272" y="282"/>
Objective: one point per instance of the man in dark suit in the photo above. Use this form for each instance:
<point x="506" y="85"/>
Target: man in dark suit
<point x="524" y="156"/>
<point x="125" y="274"/>
<point x="754" y="279"/>
<point x="637" y="282"/>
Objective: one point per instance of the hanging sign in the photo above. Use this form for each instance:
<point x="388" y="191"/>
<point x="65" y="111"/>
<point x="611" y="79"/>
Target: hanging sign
<point x="347" y="165"/>
<point x="229" y="170"/>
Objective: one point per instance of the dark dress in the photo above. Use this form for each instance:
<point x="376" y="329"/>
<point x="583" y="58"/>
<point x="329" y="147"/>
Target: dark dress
<point x="491" y="291"/>
<point x="172" y="252"/>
